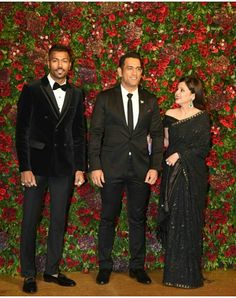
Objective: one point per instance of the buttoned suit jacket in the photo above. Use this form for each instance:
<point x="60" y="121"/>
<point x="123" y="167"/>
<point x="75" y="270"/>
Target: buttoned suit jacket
<point x="110" y="139"/>
<point x="50" y="143"/>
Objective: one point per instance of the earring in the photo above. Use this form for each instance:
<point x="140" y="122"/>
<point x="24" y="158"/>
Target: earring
<point x="191" y="104"/>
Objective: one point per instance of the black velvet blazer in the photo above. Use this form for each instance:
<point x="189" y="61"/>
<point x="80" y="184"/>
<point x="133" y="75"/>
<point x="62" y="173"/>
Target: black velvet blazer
<point x="48" y="142"/>
<point x="111" y="140"/>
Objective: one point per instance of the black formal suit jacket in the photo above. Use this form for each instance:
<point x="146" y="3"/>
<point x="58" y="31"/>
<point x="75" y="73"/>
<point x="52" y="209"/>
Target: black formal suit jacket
<point x="111" y="140"/>
<point x="50" y="143"/>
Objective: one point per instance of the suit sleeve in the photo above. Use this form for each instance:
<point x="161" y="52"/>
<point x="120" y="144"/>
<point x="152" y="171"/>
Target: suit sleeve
<point x="23" y="121"/>
<point x="156" y="134"/>
<point x="96" y="134"/>
<point x="79" y="135"/>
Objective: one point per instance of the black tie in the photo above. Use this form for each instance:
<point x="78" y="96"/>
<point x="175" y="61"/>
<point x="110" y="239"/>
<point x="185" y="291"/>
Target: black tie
<point x="56" y="86"/>
<point x="130" y="113"/>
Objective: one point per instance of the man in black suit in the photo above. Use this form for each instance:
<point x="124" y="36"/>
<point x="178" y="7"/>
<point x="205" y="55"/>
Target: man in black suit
<point x="50" y="143"/>
<point x="123" y="118"/>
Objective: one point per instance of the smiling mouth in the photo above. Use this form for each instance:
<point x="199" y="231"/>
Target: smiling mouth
<point x="61" y="71"/>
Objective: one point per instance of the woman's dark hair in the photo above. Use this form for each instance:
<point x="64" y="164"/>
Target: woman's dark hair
<point x="195" y="85"/>
<point x="60" y="48"/>
<point x="129" y="55"/>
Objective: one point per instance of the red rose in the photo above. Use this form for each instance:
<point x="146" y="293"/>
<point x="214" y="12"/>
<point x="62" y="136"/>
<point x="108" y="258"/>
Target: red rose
<point x="20" y="86"/>
<point x="112" y="17"/>
<point x="112" y="31"/>
<point x="161" y="259"/>
<point x="5" y="89"/>
<point x="222" y="238"/>
<point x="81" y="39"/>
<point x="96" y="215"/>
<point x="231" y="251"/>
<point x="19" y="77"/>
<point x="162" y="99"/>
<point x="178" y="72"/>
<point x="93" y="260"/>
<point x="9" y="214"/>
<point x="203" y="49"/>
<point x="71" y="229"/>
<point x="2" y="121"/>
<point x="211" y="256"/>
<point x="17" y="65"/>
<point x="2" y="262"/>
<point x="190" y="17"/>
<point x="139" y="22"/>
<point x="228" y="121"/>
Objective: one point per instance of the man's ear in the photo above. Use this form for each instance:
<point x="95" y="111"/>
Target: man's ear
<point x="119" y="71"/>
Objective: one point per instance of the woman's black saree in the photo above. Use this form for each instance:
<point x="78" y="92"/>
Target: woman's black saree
<point x="182" y="202"/>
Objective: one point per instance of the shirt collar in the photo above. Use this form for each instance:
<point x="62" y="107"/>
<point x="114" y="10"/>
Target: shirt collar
<point x="125" y="92"/>
<point x="51" y="81"/>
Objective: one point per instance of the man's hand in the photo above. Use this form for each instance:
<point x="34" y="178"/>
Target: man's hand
<point x="28" y="179"/>
<point x="97" y="177"/>
<point x="151" y="177"/>
<point x="79" y="178"/>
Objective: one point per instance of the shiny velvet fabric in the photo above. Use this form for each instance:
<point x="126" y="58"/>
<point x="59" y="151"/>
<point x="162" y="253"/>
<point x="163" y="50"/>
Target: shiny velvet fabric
<point x="48" y="142"/>
<point x="183" y="193"/>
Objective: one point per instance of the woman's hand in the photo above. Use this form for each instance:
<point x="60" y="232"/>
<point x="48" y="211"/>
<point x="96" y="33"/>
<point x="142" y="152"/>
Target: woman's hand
<point x="172" y="159"/>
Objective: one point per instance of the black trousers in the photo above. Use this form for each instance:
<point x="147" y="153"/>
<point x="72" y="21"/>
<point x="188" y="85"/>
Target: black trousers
<point x="137" y="202"/>
<point x="60" y="189"/>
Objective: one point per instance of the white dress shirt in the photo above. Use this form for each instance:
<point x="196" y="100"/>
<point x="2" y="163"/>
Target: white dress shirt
<point x="59" y="93"/>
<point x="135" y="104"/>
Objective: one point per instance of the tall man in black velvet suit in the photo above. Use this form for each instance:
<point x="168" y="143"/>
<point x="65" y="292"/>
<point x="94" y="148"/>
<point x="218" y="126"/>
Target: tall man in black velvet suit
<point x="50" y="143"/>
<point x="123" y="118"/>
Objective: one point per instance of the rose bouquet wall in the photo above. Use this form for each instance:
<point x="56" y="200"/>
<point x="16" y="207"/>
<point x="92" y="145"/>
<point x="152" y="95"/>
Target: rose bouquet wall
<point x="175" y="39"/>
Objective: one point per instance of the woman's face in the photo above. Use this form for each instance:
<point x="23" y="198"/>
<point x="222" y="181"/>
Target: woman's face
<point x="183" y="95"/>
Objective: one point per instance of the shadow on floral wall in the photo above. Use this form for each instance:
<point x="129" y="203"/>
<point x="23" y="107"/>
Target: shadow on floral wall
<point x="175" y="39"/>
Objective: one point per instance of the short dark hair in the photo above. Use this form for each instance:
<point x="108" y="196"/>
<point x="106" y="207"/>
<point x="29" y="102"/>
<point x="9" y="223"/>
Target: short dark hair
<point x="130" y="55"/>
<point x="195" y="85"/>
<point x="60" y="48"/>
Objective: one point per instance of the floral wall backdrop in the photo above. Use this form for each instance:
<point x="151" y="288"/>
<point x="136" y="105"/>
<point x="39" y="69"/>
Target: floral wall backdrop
<point x="175" y="39"/>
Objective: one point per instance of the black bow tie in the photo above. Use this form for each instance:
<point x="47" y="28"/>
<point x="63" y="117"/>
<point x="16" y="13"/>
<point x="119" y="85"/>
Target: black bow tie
<point x="63" y="87"/>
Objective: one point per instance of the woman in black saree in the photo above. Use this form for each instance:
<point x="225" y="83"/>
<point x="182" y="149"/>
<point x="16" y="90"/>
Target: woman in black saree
<point x="184" y="186"/>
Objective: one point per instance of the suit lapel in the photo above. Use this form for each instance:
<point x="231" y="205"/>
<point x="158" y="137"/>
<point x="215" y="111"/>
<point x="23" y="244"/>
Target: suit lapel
<point x="49" y="95"/>
<point x="66" y="104"/>
<point x="142" y="106"/>
<point x="120" y="105"/>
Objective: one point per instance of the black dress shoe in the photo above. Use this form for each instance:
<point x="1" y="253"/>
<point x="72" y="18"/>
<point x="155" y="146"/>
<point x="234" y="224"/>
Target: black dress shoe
<point x="103" y="276"/>
<point x="29" y="285"/>
<point x="61" y="280"/>
<point x="140" y="275"/>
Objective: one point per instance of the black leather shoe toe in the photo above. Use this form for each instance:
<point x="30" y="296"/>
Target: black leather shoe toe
<point x="140" y="275"/>
<point x="103" y="276"/>
<point x="30" y="285"/>
<point x="61" y="280"/>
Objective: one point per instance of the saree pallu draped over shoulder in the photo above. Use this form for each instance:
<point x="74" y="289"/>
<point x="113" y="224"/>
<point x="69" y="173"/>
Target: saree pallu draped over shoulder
<point x="182" y="200"/>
